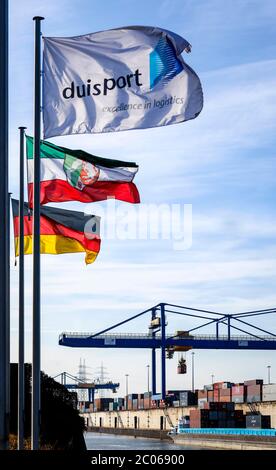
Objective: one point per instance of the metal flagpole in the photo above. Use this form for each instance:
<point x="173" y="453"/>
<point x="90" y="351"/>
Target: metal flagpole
<point x="4" y="232"/>
<point x="21" y="342"/>
<point x="36" y="241"/>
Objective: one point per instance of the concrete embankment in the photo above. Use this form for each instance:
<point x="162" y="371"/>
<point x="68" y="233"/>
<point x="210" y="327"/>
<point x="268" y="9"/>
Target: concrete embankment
<point x="146" y="433"/>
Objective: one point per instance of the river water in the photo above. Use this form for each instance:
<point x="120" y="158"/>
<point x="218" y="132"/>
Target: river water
<point x="100" y="441"/>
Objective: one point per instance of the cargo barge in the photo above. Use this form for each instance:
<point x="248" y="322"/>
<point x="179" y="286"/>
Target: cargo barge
<point x="219" y="438"/>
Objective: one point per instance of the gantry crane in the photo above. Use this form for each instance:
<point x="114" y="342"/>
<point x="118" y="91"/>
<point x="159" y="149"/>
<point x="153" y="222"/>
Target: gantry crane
<point x="157" y="338"/>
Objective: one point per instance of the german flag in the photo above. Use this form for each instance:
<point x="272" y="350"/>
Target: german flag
<point x="61" y="231"/>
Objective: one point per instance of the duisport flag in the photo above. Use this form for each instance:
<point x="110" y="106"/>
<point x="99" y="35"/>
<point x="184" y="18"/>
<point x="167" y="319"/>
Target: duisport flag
<point x="126" y="78"/>
<point x="75" y="175"/>
<point x="61" y="231"/>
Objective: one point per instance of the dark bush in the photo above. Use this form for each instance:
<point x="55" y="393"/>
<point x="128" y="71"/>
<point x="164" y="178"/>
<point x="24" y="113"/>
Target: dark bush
<point x="61" y="425"/>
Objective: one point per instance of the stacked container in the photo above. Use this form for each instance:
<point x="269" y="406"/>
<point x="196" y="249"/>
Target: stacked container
<point x="254" y="390"/>
<point x="225" y="395"/>
<point x="102" y="404"/>
<point x="187" y="398"/>
<point x="120" y="403"/>
<point x="202" y="398"/>
<point x="132" y="398"/>
<point x="258" y="421"/>
<point x="220" y="415"/>
<point x="113" y="406"/>
<point x="147" y="400"/>
<point x="269" y="392"/>
<point x="199" y="418"/>
<point x="140" y="401"/>
<point x="239" y="393"/>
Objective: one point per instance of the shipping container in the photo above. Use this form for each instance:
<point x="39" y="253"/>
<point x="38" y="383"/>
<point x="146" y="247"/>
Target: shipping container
<point x="208" y="387"/>
<point x="147" y="403"/>
<point x="254" y="393"/>
<point x="269" y="397"/>
<point x="216" y="395"/>
<point x="226" y="399"/>
<point x="199" y="418"/>
<point x="157" y="396"/>
<point x="201" y="402"/>
<point x="238" y="398"/>
<point x="258" y="421"/>
<point x="231" y="423"/>
<point x="269" y="392"/>
<point x="202" y="394"/>
<point x="187" y="398"/>
<point x="225" y="392"/>
<point x="218" y="385"/>
<point x="102" y="404"/>
<point x="176" y="404"/>
<point x="238" y="390"/>
<point x="226" y="385"/>
<point x="129" y="404"/>
<point x="254" y="382"/>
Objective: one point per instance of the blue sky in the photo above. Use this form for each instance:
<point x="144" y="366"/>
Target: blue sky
<point x="223" y="163"/>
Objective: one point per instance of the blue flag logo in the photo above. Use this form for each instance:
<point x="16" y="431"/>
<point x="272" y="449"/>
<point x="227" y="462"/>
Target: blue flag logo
<point x="164" y="64"/>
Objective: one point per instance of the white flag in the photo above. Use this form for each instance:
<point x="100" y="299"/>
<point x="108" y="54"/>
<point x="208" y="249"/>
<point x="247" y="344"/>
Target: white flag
<point x="127" y="78"/>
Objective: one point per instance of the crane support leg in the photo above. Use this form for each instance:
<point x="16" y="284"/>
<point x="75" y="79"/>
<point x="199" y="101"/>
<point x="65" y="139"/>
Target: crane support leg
<point x="229" y="328"/>
<point x="153" y="371"/>
<point x="163" y="351"/>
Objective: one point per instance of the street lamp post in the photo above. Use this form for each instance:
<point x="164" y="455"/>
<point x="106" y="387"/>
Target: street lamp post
<point x="212" y="379"/>
<point x="193" y="372"/>
<point x="127" y="375"/>
<point x="148" y="367"/>
<point x="268" y="374"/>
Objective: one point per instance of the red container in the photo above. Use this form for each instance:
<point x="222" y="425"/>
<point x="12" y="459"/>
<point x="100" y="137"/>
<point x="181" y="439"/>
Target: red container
<point x="129" y="404"/>
<point x="147" y="403"/>
<point x="202" y="394"/>
<point x="216" y="395"/>
<point x="140" y="403"/>
<point x="225" y="399"/>
<point x="254" y="393"/>
<point x="224" y="392"/>
<point x="218" y="385"/>
<point x="254" y="382"/>
<point x="238" y="390"/>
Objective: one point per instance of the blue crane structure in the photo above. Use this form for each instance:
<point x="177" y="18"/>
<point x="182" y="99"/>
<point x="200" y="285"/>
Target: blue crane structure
<point x="157" y="338"/>
<point x="78" y="384"/>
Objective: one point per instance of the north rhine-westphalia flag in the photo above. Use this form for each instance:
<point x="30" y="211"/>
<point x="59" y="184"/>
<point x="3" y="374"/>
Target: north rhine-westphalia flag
<point x="75" y="175"/>
<point x="61" y="231"/>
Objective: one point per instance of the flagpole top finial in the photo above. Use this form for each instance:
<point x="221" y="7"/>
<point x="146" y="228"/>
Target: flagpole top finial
<point x="38" y="18"/>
